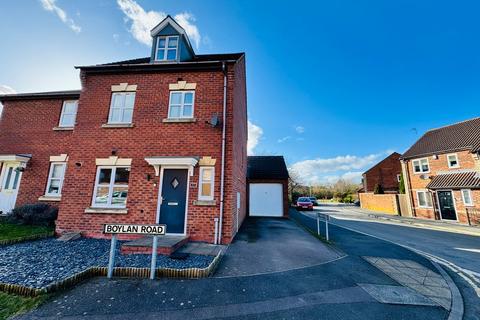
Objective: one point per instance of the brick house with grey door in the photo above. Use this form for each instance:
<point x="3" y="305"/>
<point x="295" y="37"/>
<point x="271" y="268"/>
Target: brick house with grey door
<point x="442" y="173"/>
<point x="159" y="139"/>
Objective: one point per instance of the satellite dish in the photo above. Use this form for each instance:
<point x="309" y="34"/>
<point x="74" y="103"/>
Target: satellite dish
<point x="214" y="121"/>
<point x="424" y="177"/>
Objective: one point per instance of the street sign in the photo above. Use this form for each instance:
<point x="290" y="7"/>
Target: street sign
<point x="145" y="229"/>
<point x="114" y="229"/>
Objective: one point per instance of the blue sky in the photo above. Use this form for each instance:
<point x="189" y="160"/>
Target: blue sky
<point x="332" y="85"/>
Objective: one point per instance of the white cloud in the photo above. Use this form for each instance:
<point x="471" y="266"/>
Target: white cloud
<point x="142" y="22"/>
<point x="254" y="135"/>
<point x="300" y="129"/>
<point x="50" y="5"/>
<point x="329" y="170"/>
<point x="282" y="140"/>
<point x="4" y="89"/>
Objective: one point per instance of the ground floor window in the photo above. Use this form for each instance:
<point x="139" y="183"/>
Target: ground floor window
<point x="55" y="179"/>
<point x="207" y="178"/>
<point x="111" y="187"/>
<point x="467" y="197"/>
<point x="424" y="199"/>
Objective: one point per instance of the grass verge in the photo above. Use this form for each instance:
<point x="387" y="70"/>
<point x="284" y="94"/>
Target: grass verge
<point x="9" y="231"/>
<point x="11" y="304"/>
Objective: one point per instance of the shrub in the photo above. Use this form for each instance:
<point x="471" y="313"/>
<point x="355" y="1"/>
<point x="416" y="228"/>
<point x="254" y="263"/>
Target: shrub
<point x="40" y="214"/>
<point x="401" y="185"/>
<point x="378" y="189"/>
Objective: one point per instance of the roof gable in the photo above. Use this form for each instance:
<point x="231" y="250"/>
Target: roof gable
<point x="394" y="155"/>
<point x="169" y="27"/>
<point x="463" y="135"/>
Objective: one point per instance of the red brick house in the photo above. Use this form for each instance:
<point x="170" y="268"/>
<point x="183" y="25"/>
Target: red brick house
<point x="442" y="173"/>
<point x="386" y="173"/>
<point x="160" y="139"/>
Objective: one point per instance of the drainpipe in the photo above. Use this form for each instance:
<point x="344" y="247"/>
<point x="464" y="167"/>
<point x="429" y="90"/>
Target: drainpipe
<point x="222" y="176"/>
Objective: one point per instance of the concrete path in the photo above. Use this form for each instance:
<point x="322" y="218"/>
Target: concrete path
<point x="271" y="245"/>
<point x="331" y="290"/>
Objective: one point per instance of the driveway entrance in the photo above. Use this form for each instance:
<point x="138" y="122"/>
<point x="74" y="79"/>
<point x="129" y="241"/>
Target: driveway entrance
<point x="265" y="245"/>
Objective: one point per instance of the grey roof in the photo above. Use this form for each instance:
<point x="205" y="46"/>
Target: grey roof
<point x="199" y="58"/>
<point x="266" y="167"/>
<point x="463" y="135"/>
<point x="68" y="94"/>
<point x="456" y="180"/>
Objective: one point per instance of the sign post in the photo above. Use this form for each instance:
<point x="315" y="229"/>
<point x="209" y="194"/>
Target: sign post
<point x="114" y="229"/>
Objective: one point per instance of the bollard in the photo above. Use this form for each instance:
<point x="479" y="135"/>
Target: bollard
<point x="327" y="217"/>
<point x="318" y="223"/>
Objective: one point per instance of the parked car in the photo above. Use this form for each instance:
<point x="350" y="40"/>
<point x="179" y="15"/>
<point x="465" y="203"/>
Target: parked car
<point x="304" y="203"/>
<point x="314" y="200"/>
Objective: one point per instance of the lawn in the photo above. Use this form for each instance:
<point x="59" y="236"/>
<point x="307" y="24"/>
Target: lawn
<point x="14" y="231"/>
<point x="11" y="304"/>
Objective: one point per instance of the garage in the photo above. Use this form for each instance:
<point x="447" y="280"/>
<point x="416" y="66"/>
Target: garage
<point x="267" y="178"/>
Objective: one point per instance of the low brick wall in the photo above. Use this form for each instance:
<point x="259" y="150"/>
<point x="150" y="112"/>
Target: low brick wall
<point x="385" y="203"/>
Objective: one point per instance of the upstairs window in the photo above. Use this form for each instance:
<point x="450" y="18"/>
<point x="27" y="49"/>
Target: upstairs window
<point x="111" y="187"/>
<point x="69" y="114"/>
<point x="55" y="179"/>
<point x="167" y="48"/>
<point x="421" y="166"/>
<point x="181" y="104"/>
<point x="121" y="107"/>
<point x="452" y="160"/>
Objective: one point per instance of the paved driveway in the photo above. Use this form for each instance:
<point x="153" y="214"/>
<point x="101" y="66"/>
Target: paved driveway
<point x="266" y="245"/>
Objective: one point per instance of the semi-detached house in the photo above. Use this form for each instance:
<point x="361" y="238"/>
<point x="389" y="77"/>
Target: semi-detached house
<point x="160" y="139"/>
<point x="442" y="173"/>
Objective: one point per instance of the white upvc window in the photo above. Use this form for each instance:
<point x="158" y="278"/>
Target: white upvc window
<point x="206" y="183"/>
<point x="167" y="48"/>
<point x="421" y="165"/>
<point x="69" y="113"/>
<point x="424" y="199"/>
<point x="111" y="187"/>
<point x="55" y="179"/>
<point x="181" y="104"/>
<point x="121" y="107"/>
<point x="467" y="197"/>
<point x="399" y="177"/>
<point x="452" y="160"/>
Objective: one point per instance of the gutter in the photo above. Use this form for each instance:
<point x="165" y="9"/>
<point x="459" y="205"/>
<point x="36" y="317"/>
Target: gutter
<point x="222" y="176"/>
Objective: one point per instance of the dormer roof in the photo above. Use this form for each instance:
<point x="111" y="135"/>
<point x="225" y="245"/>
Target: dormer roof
<point x="174" y="24"/>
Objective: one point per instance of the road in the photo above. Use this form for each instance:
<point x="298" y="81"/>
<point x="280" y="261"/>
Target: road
<point x="459" y="252"/>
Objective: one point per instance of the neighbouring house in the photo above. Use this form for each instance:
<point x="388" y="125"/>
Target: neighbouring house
<point x="442" y="172"/>
<point x="267" y="178"/>
<point x="387" y="174"/>
<point x="160" y="139"/>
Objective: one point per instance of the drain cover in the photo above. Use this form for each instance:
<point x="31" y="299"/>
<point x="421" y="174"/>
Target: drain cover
<point x="396" y="295"/>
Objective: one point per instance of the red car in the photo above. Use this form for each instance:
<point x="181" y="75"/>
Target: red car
<point x="304" y="203"/>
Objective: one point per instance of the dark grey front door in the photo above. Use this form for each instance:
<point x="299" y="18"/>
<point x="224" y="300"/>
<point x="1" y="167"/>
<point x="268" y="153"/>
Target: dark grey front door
<point x="447" y="208"/>
<point x="174" y="196"/>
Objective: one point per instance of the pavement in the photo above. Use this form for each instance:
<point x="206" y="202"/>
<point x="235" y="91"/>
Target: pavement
<point x="290" y="274"/>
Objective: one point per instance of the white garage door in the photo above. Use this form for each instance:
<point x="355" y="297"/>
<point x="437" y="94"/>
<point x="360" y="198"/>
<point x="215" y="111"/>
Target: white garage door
<point x="266" y="200"/>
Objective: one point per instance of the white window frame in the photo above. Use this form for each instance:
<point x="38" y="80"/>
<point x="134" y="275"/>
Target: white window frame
<point x="201" y="182"/>
<point x="111" y="186"/>
<point x="123" y="108"/>
<point x="470" y="204"/>
<point x="427" y="195"/>
<point x="420" y="162"/>
<point x="456" y="158"/>
<point x="399" y="177"/>
<point x="182" y="104"/>
<point x="62" y="114"/>
<point x="50" y="177"/>
<point x="165" y="49"/>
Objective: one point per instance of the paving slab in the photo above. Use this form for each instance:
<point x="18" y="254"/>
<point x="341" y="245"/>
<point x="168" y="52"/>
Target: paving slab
<point x="396" y="295"/>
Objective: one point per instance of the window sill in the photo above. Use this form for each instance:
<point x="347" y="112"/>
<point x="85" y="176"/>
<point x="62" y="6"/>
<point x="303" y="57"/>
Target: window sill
<point x="179" y="120"/>
<point x="117" y="125"/>
<point x="62" y="128"/>
<point x="106" y="210"/>
<point x="206" y="203"/>
<point x="49" y="198"/>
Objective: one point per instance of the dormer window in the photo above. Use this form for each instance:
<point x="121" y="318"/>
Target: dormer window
<point x="167" y="48"/>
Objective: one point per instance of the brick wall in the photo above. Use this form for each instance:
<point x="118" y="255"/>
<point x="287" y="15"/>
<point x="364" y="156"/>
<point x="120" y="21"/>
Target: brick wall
<point x="26" y="127"/>
<point x="466" y="160"/>
<point x="384" y="173"/>
<point x="386" y="203"/>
